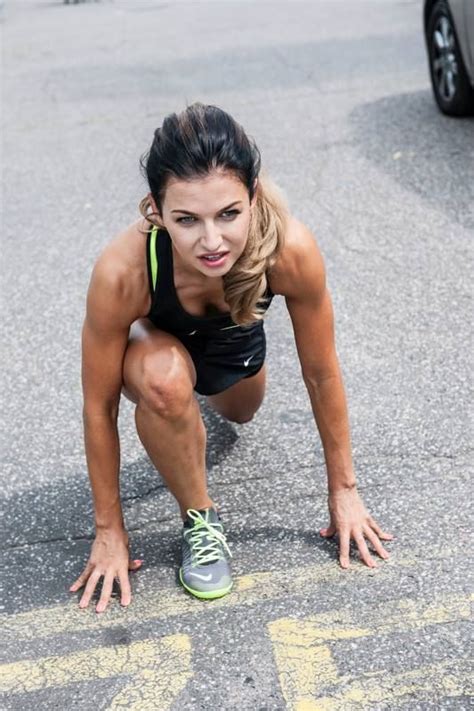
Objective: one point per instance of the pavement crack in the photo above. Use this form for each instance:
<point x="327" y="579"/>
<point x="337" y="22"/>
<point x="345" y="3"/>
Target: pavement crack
<point x="143" y="494"/>
<point x="69" y="539"/>
<point x="46" y="541"/>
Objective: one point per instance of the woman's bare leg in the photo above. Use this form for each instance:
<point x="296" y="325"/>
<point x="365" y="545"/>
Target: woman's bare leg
<point x="240" y="402"/>
<point x="159" y="376"/>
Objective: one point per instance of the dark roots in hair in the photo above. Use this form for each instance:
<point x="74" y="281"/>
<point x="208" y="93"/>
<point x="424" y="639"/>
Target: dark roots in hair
<point x="196" y="142"/>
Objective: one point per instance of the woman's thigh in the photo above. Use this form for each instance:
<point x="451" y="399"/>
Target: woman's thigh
<point x="240" y="402"/>
<point x="149" y="345"/>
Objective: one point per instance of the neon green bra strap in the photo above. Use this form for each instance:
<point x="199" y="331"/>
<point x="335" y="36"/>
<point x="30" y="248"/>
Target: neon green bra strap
<point x="153" y="257"/>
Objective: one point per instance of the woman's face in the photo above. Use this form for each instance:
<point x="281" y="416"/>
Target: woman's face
<point x="208" y="221"/>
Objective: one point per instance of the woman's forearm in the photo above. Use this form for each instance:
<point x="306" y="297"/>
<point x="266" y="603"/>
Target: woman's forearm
<point x="103" y="462"/>
<point x="329" y="406"/>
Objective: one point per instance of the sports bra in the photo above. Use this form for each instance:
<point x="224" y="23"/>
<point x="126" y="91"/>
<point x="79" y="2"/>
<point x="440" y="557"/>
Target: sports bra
<point x="166" y="311"/>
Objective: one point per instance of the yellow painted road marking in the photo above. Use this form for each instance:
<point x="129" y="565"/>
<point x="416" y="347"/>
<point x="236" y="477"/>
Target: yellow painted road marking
<point x="376" y="690"/>
<point x="173" y="602"/>
<point x="306" y="666"/>
<point x="160" y="671"/>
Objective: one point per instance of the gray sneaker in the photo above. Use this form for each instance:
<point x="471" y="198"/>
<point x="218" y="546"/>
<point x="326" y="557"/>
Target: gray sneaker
<point x="205" y="571"/>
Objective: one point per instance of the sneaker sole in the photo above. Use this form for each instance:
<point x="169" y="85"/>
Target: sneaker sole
<point x="209" y="595"/>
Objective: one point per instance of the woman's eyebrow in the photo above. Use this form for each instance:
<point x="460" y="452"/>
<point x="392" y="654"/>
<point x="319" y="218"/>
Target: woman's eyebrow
<point x="222" y="210"/>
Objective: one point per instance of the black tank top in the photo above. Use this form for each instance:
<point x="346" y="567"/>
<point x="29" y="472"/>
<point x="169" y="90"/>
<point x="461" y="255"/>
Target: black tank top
<point x="166" y="311"/>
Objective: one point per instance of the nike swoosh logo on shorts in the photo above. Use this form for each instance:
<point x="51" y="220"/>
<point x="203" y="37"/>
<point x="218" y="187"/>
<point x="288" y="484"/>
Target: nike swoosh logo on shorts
<point x="206" y="578"/>
<point x="246" y="362"/>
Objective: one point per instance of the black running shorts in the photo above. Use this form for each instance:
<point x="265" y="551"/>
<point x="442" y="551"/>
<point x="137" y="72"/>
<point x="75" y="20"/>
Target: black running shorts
<point x="224" y="357"/>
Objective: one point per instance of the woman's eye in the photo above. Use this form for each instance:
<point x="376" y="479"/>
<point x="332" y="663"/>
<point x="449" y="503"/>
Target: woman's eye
<point x="189" y="219"/>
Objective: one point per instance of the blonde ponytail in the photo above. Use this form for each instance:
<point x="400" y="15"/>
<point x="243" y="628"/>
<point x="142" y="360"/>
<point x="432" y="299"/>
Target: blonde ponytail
<point x="246" y="283"/>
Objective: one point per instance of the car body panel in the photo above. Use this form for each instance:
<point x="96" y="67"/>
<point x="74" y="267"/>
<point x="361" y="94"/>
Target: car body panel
<point x="462" y="12"/>
<point x="469" y="17"/>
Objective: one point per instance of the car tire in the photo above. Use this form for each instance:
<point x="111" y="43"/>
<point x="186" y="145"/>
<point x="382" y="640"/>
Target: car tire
<point x="451" y="87"/>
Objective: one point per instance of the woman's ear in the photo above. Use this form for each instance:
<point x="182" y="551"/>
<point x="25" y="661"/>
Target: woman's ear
<point x="153" y="204"/>
<point x="155" y="211"/>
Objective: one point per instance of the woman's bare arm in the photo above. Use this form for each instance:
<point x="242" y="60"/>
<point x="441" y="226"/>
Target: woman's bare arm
<point x="111" y="308"/>
<point x="104" y="340"/>
<point x="300" y="277"/>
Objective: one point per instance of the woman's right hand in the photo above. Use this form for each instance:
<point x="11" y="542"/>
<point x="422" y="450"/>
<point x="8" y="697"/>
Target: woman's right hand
<point x="109" y="559"/>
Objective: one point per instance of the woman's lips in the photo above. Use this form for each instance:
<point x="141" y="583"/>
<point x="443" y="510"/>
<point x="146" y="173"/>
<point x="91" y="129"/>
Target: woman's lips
<point x="214" y="260"/>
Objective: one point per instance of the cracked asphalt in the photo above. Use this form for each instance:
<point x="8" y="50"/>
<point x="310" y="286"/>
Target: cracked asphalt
<point x="338" y="98"/>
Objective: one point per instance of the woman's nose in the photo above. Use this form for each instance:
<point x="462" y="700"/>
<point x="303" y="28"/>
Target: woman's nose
<point x="211" y="239"/>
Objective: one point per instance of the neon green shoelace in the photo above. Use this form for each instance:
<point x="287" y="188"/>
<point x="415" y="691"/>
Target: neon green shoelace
<point x="209" y="552"/>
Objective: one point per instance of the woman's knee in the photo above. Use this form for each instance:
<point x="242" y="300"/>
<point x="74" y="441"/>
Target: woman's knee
<point x="166" y="384"/>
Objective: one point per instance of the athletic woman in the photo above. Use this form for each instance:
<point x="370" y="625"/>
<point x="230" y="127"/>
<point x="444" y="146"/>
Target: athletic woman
<point x="176" y="305"/>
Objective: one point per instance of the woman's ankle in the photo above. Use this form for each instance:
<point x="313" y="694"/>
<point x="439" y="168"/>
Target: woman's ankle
<point x="198" y="505"/>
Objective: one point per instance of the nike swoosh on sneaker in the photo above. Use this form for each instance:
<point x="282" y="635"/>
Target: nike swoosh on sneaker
<point x="246" y="362"/>
<point x="206" y="578"/>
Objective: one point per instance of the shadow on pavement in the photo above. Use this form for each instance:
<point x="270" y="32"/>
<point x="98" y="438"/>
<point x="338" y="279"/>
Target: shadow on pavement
<point x="47" y="530"/>
<point x="62" y="510"/>
<point x="427" y="153"/>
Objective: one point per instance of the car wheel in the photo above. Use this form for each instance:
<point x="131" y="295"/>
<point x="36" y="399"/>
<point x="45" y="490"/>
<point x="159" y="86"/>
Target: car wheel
<point x="451" y="87"/>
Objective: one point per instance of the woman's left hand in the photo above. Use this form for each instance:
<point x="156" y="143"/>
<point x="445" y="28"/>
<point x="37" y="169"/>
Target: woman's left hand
<point x="350" y="520"/>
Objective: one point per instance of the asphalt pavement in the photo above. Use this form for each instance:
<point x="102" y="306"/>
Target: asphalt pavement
<point x="337" y="95"/>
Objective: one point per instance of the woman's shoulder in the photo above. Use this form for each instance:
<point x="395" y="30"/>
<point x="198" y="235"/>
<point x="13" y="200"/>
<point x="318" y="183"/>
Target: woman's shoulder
<point x="299" y="260"/>
<point x="125" y="250"/>
<point x="119" y="275"/>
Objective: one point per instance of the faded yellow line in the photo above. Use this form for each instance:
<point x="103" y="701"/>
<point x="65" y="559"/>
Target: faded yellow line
<point x="391" y="616"/>
<point x="304" y="660"/>
<point x="159" y="670"/>
<point x="375" y="690"/>
<point x="173" y="602"/>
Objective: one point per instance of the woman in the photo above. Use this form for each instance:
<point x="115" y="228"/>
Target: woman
<point x="175" y="305"/>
